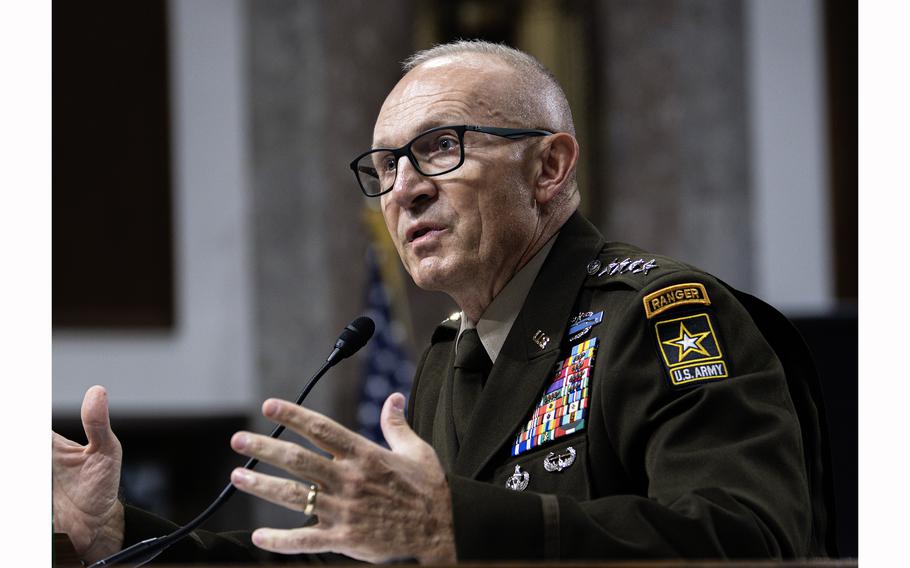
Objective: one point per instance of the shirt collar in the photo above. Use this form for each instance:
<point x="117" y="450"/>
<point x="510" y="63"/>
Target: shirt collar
<point x="495" y="323"/>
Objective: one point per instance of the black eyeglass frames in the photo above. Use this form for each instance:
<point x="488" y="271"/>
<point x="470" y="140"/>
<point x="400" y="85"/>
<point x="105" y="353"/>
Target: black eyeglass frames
<point x="435" y="152"/>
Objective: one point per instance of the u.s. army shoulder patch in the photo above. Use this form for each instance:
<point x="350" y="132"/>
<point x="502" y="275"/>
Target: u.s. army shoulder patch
<point x="690" y="349"/>
<point x="677" y="295"/>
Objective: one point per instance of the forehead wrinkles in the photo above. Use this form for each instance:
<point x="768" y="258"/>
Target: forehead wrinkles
<point x="423" y="104"/>
<point x="407" y="113"/>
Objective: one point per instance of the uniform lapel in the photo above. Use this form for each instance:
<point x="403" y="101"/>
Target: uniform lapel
<point x="444" y="440"/>
<point x="522" y="368"/>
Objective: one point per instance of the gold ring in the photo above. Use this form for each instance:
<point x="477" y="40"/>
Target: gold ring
<point x="311" y="500"/>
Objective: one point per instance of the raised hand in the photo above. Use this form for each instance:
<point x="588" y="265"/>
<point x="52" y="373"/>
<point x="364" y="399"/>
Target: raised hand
<point x="86" y="480"/>
<point x="373" y="504"/>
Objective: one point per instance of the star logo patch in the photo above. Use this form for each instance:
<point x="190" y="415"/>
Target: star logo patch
<point x="688" y="342"/>
<point x="690" y="349"/>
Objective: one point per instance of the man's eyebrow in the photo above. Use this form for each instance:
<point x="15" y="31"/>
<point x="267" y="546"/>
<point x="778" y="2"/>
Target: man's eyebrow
<point x="423" y="126"/>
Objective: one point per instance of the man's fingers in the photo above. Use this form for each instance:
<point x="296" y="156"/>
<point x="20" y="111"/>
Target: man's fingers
<point x="296" y="541"/>
<point x="394" y="425"/>
<point x="95" y="419"/>
<point x="322" y="431"/>
<point x="288" y="493"/>
<point x="289" y="456"/>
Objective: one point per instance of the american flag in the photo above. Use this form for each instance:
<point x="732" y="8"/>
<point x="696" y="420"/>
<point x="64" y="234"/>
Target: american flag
<point x="389" y="367"/>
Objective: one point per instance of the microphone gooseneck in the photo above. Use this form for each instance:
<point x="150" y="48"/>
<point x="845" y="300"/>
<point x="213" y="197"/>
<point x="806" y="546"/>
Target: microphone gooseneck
<point x="354" y="336"/>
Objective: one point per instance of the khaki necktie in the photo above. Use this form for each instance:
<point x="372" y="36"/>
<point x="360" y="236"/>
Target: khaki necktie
<point x="472" y="364"/>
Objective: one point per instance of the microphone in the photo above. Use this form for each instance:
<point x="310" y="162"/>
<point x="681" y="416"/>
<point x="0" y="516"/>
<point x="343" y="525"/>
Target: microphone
<point x="354" y="336"/>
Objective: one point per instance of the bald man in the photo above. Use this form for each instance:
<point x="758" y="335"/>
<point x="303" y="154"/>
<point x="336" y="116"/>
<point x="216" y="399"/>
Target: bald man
<point x="590" y="401"/>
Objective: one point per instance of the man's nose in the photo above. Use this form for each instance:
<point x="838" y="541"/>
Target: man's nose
<point x="411" y="188"/>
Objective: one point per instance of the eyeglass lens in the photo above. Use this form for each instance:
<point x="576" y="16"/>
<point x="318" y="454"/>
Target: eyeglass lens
<point x="435" y="152"/>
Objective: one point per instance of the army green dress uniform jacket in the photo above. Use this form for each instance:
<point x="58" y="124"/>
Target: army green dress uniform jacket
<point x="700" y="437"/>
<point x="691" y="443"/>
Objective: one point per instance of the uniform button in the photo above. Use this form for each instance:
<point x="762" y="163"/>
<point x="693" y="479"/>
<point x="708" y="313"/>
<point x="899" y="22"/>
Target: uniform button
<point x="593" y="267"/>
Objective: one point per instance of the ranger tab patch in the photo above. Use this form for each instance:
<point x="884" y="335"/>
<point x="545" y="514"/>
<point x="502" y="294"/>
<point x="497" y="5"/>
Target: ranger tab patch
<point x="561" y="411"/>
<point x="677" y="295"/>
<point x="690" y="350"/>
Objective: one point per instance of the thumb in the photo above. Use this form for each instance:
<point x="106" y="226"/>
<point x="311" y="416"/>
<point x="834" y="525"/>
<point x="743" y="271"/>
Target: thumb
<point x="95" y="419"/>
<point x="395" y="426"/>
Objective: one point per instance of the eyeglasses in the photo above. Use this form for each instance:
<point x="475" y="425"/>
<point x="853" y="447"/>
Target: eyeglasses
<point x="432" y="153"/>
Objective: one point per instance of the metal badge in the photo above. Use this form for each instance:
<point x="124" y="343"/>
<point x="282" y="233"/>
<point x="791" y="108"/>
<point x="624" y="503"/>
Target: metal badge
<point x="579" y="335"/>
<point x="581" y="324"/>
<point x="518" y="481"/>
<point x="580" y="317"/>
<point x="628" y="266"/>
<point x="541" y="339"/>
<point x="559" y="462"/>
<point x="593" y="267"/>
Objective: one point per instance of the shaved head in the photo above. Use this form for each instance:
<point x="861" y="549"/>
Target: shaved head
<point x="535" y="97"/>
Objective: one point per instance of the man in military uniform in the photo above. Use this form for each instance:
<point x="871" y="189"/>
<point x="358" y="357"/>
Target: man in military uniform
<point x="591" y="400"/>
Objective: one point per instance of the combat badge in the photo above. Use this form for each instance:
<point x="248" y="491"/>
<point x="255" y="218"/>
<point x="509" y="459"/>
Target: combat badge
<point x="690" y="349"/>
<point x="518" y="481"/>
<point x="558" y="462"/>
<point x="672" y="296"/>
<point x="582" y="324"/>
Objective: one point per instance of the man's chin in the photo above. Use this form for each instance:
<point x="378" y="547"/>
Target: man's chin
<point x="433" y="274"/>
<point x="430" y="283"/>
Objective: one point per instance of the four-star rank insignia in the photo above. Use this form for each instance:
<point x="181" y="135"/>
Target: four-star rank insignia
<point x="690" y="349"/>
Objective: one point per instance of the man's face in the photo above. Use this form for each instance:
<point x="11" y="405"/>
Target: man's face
<point x="468" y="229"/>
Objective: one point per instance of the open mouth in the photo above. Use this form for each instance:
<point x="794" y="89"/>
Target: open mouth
<point x="422" y="231"/>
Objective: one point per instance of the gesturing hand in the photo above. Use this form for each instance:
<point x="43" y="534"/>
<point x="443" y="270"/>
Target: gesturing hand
<point x="373" y="504"/>
<point x="85" y="483"/>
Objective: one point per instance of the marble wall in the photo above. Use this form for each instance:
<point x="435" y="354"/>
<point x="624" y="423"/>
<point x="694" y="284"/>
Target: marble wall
<point x="674" y="174"/>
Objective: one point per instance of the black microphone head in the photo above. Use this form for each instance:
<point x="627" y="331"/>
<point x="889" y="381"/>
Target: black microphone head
<point x="354" y="336"/>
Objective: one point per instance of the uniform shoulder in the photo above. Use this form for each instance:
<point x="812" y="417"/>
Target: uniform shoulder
<point x="621" y="264"/>
<point x="658" y="283"/>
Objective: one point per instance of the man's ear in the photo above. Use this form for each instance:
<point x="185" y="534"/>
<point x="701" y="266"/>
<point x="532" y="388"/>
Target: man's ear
<point x="557" y="163"/>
